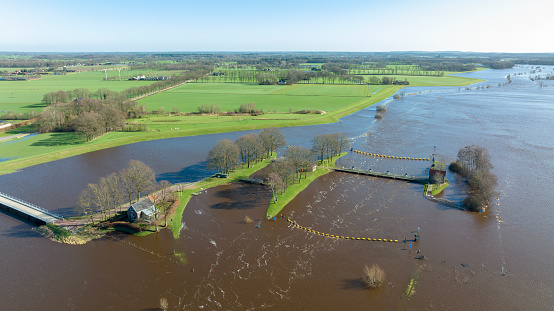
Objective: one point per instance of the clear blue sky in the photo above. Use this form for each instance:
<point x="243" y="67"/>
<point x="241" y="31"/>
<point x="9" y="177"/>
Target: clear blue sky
<point x="214" y="25"/>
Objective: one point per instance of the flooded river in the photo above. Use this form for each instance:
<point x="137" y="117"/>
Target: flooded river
<point x="498" y="260"/>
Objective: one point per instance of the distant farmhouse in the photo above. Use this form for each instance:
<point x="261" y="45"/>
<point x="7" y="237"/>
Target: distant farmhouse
<point x="401" y="82"/>
<point x="145" y="78"/>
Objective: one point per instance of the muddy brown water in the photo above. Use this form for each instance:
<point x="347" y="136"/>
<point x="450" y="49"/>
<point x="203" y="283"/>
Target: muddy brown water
<point x="220" y="262"/>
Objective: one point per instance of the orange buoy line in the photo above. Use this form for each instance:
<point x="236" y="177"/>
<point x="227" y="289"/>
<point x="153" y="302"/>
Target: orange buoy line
<point x="388" y="156"/>
<point x="339" y="236"/>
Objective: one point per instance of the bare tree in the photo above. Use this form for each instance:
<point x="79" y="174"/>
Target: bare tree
<point x="137" y="176"/>
<point x="224" y="156"/>
<point x="95" y="197"/>
<point x="90" y="124"/>
<point x="343" y="142"/>
<point x="248" y="146"/>
<point x="284" y="170"/>
<point x="373" y="277"/>
<point x="319" y="143"/>
<point x="85" y="205"/>
<point x="113" y="184"/>
<point x="271" y="139"/>
<point x="164" y="196"/>
<point x="299" y="158"/>
<point x="275" y="182"/>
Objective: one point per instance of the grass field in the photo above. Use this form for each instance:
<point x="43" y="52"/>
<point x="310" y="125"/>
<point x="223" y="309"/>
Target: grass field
<point x="336" y="100"/>
<point x="278" y="98"/>
<point x="23" y="96"/>
<point x="53" y="146"/>
<point x="446" y="80"/>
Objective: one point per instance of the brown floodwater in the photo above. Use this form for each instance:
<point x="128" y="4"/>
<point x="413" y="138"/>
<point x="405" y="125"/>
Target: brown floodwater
<point x="498" y="260"/>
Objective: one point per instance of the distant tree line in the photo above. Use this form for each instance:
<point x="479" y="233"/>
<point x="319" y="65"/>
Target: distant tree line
<point x="10" y="115"/>
<point x="474" y="164"/>
<point x="499" y="64"/>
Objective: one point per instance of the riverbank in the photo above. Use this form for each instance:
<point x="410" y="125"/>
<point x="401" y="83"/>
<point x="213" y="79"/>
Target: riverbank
<point x="293" y="190"/>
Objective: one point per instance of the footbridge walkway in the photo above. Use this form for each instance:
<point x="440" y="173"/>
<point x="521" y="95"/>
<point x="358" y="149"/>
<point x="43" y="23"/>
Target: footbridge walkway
<point x="26" y="210"/>
<point x="406" y="177"/>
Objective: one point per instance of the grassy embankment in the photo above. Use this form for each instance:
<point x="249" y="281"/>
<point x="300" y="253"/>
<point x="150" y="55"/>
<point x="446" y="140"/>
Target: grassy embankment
<point x="439" y="188"/>
<point x="446" y="80"/>
<point x="175" y="219"/>
<point x="293" y="190"/>
<point x="339" y="101"/>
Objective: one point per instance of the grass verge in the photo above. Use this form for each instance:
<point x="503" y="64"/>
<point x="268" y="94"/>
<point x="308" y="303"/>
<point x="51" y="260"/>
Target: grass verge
<point x="293" y="190"/>
<point x="439" y="188"/>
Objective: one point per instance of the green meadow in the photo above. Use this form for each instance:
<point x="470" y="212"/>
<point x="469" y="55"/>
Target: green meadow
<point x="336" y="100"/>
<point x="446" y="80"/>
<point x="276" y="101"/>
<point x="24" y="96"/>
<point x="269" y="98"/>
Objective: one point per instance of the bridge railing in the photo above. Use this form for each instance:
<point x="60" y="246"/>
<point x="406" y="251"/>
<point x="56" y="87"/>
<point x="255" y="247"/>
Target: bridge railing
<point x="31" y="205"/>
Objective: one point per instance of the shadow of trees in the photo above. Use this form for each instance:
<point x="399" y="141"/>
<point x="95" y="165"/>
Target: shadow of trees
<point x="188" y="174"/>
<point x="60" y="139"/>
<point x="239" y="197"/>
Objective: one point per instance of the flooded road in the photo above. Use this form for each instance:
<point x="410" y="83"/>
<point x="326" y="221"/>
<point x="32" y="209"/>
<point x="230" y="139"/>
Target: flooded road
<point x="498" y="260"/>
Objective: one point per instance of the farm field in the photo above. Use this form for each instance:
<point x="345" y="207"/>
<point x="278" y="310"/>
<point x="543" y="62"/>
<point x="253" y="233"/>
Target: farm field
<point x="446" y="80"/>
<point x="343" y="101"/>
<point x="276" y="101"/>
<point x="270" y="98"/>
<point x="23" y="96"/>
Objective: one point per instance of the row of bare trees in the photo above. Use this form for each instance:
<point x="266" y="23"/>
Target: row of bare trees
<point x="248" y="149"/>
<point x="326" y="146"/>
<point x="474" y="164"/>
<point x="297" y="160"/>
<point x="111" y="191"/>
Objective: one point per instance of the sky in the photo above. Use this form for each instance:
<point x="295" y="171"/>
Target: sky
<point x="214" y="25"/>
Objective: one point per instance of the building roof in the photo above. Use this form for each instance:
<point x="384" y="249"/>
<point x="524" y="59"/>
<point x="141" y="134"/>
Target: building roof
<point x="146" y="206"/>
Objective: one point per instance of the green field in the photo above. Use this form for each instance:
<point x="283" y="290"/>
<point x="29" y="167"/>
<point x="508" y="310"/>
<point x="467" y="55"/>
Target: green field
<point x="340" y="101"/>
<point x="275" y="100"/>
<point x="278" y="98"/>
<point x="447" y="80"/>
<point x="23" y="96"/>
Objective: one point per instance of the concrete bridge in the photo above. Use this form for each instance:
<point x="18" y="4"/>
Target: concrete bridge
<point x="26" y="210"/>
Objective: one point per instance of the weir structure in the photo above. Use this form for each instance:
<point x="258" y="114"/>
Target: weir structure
<point x="26" y="210"/>
<point x="406" y="177"/>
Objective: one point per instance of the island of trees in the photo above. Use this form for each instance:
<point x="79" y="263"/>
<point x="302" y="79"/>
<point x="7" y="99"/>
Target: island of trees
<point x="473" y="163"/>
